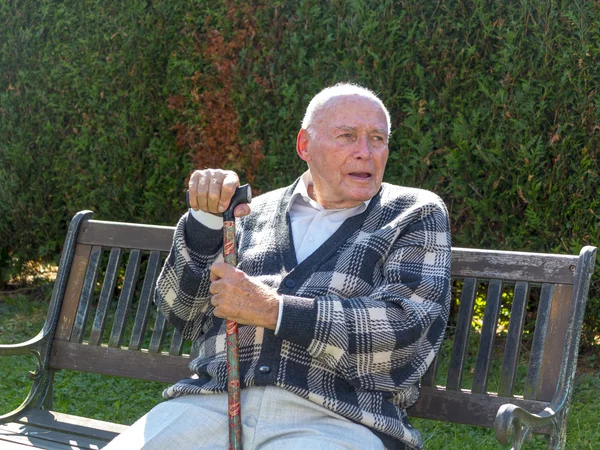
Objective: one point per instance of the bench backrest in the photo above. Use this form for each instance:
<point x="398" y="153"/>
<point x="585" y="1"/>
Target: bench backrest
<point x="108" y="324"/>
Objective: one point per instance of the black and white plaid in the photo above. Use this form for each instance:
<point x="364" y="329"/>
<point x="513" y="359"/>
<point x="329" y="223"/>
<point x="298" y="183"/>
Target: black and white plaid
<point x="363" y="316"/>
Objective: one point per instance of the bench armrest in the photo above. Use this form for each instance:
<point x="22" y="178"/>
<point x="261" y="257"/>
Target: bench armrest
<point x="22" y="348"/>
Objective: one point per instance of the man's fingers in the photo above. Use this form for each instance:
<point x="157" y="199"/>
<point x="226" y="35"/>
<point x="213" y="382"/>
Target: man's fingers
<point x="221" y="270"/>
<point x="214" y="193"/>
<point x="193" y="190"/>
<point x="230" y="184"/>
<point x="242" y="210"/>
<point x="210" y="190"/>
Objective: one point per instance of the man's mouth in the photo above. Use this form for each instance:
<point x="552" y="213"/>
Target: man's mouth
<point x="362" y="175"/>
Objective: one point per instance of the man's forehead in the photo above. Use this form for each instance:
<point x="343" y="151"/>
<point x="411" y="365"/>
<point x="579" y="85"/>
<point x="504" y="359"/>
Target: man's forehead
<point x="351" y="110"/>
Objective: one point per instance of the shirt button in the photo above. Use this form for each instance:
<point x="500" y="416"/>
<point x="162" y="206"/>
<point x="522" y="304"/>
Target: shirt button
<point x="290" y="283"/>
<point x="311" y="239"/>
<point x="251" y="421"/>
<point x="264" y="369"/>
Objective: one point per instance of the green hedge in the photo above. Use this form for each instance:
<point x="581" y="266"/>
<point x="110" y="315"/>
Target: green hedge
<point x="109" y="105"/>
<point x="83" y="121"/>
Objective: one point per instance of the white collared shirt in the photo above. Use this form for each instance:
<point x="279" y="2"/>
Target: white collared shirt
<point x="311" y="223"/>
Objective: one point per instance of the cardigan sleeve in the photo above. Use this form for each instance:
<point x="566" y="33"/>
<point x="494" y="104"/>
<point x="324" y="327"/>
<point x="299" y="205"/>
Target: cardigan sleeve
<point x="386" y="340"/>
<point x="182" y="290"/>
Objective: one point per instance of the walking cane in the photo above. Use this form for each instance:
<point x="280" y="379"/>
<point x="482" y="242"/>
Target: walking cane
<point x="243" y="194"/>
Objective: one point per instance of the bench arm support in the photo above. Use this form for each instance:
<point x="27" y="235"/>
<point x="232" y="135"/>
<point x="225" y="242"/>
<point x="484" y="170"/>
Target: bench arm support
<point x="35" y="347"/>
<point x="515" y="421"/>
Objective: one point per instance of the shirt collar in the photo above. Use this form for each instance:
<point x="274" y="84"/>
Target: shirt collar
<point x="301" y="194"/>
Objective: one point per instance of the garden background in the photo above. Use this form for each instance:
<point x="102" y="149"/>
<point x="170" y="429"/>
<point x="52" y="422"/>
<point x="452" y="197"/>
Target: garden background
<point x="109" y="105"/>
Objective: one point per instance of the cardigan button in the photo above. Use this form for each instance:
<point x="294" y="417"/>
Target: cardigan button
<point x="290" y="283"/>
<point x="264" y="369"/>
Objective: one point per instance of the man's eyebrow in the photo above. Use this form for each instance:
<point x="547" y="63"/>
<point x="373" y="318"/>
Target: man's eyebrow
<point x="349" y="128"/>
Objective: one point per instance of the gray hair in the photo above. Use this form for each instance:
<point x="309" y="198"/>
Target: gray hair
<point x="320" y="101"/>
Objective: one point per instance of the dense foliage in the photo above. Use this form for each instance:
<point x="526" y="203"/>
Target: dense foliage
<point x="109" y="105"/>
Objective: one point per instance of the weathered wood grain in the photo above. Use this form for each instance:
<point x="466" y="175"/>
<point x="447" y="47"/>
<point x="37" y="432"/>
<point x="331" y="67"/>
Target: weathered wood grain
<point x="89" y="285"/>
<point x="126" y="235"/>
<point x="122" y="312"/>
<point x="513" y="266"/>
<point x="538" y="346"/>
<point x="461" y="335"/>
<point x="464" y="406"/>
<point x="73" y="292"/>
<point x="119" y="362"/>
<point x="106" y="295"/>
<point x="488" y="336"/>
<point x="555" y="341"/>
<point x="510" y="363"/>
<point x="145" y="303"/>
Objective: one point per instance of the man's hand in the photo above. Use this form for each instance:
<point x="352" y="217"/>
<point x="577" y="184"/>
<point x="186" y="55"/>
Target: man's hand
<point x="242" y="299"/>
<point x="211" y="191"/>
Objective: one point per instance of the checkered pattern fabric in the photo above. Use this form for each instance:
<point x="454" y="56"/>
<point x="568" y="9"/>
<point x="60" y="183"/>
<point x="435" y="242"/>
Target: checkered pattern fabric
<point x="363" y="316"/>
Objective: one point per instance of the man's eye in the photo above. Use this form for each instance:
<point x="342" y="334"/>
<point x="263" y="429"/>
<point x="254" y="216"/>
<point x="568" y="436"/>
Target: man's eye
<point x="378" y="140"/>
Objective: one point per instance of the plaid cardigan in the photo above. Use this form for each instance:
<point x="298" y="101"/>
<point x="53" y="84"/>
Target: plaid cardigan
<point x="363" y="316"/>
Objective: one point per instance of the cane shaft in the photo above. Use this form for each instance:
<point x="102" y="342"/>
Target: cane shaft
<point x="233" y="357"/>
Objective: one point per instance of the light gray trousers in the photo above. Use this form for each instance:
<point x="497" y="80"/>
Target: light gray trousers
<point x="272" y="418"/>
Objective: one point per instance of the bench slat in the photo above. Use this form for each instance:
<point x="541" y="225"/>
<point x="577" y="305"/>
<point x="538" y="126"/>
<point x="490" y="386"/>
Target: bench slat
<point x="539" y="341"/>
<point x="108" y="288"/>
<point x="508" y="373"/>
<point x="428" y="379"/>
<point x="119" y="362"/>
<point x="195" y="351"/>
<point x="89" y="285"/>
<point x="513" y="266"/>
<point x="488" y="335"/>
<point x="461" y="336"/>
<point x="555" y="341"/>
<point x="145" y="303"/>
<point x="6" y="445"/>
<point x="129" y="283"/>
<point x="68" y="311"/>
<point x="15" y="442"/>
<point x="476" y="263"/>
<point x="176" y="343"/>
<point x="158" y="335"/>
<point x="74" y="425"/>
<point x="26" y="435"/>
<point x="465" y="407"/>
<point x="127" y="235"/>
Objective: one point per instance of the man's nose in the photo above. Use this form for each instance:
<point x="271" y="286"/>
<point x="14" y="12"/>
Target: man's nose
<point x="363" y="150"/>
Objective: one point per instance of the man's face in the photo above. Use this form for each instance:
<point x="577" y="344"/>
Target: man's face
<point x="347" y="151"/>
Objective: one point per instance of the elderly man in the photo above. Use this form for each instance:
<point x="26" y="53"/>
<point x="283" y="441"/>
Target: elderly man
<point x="341" y="292"/>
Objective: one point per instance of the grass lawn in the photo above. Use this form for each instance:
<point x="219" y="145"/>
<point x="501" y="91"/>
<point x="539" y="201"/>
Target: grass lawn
<point x="123" y="400"/>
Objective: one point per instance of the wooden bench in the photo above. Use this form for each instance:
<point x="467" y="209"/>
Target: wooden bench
<point x="101" y="319"/>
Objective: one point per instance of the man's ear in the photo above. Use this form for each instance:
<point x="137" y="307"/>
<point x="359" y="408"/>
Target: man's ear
<point x="302" y="145"/>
